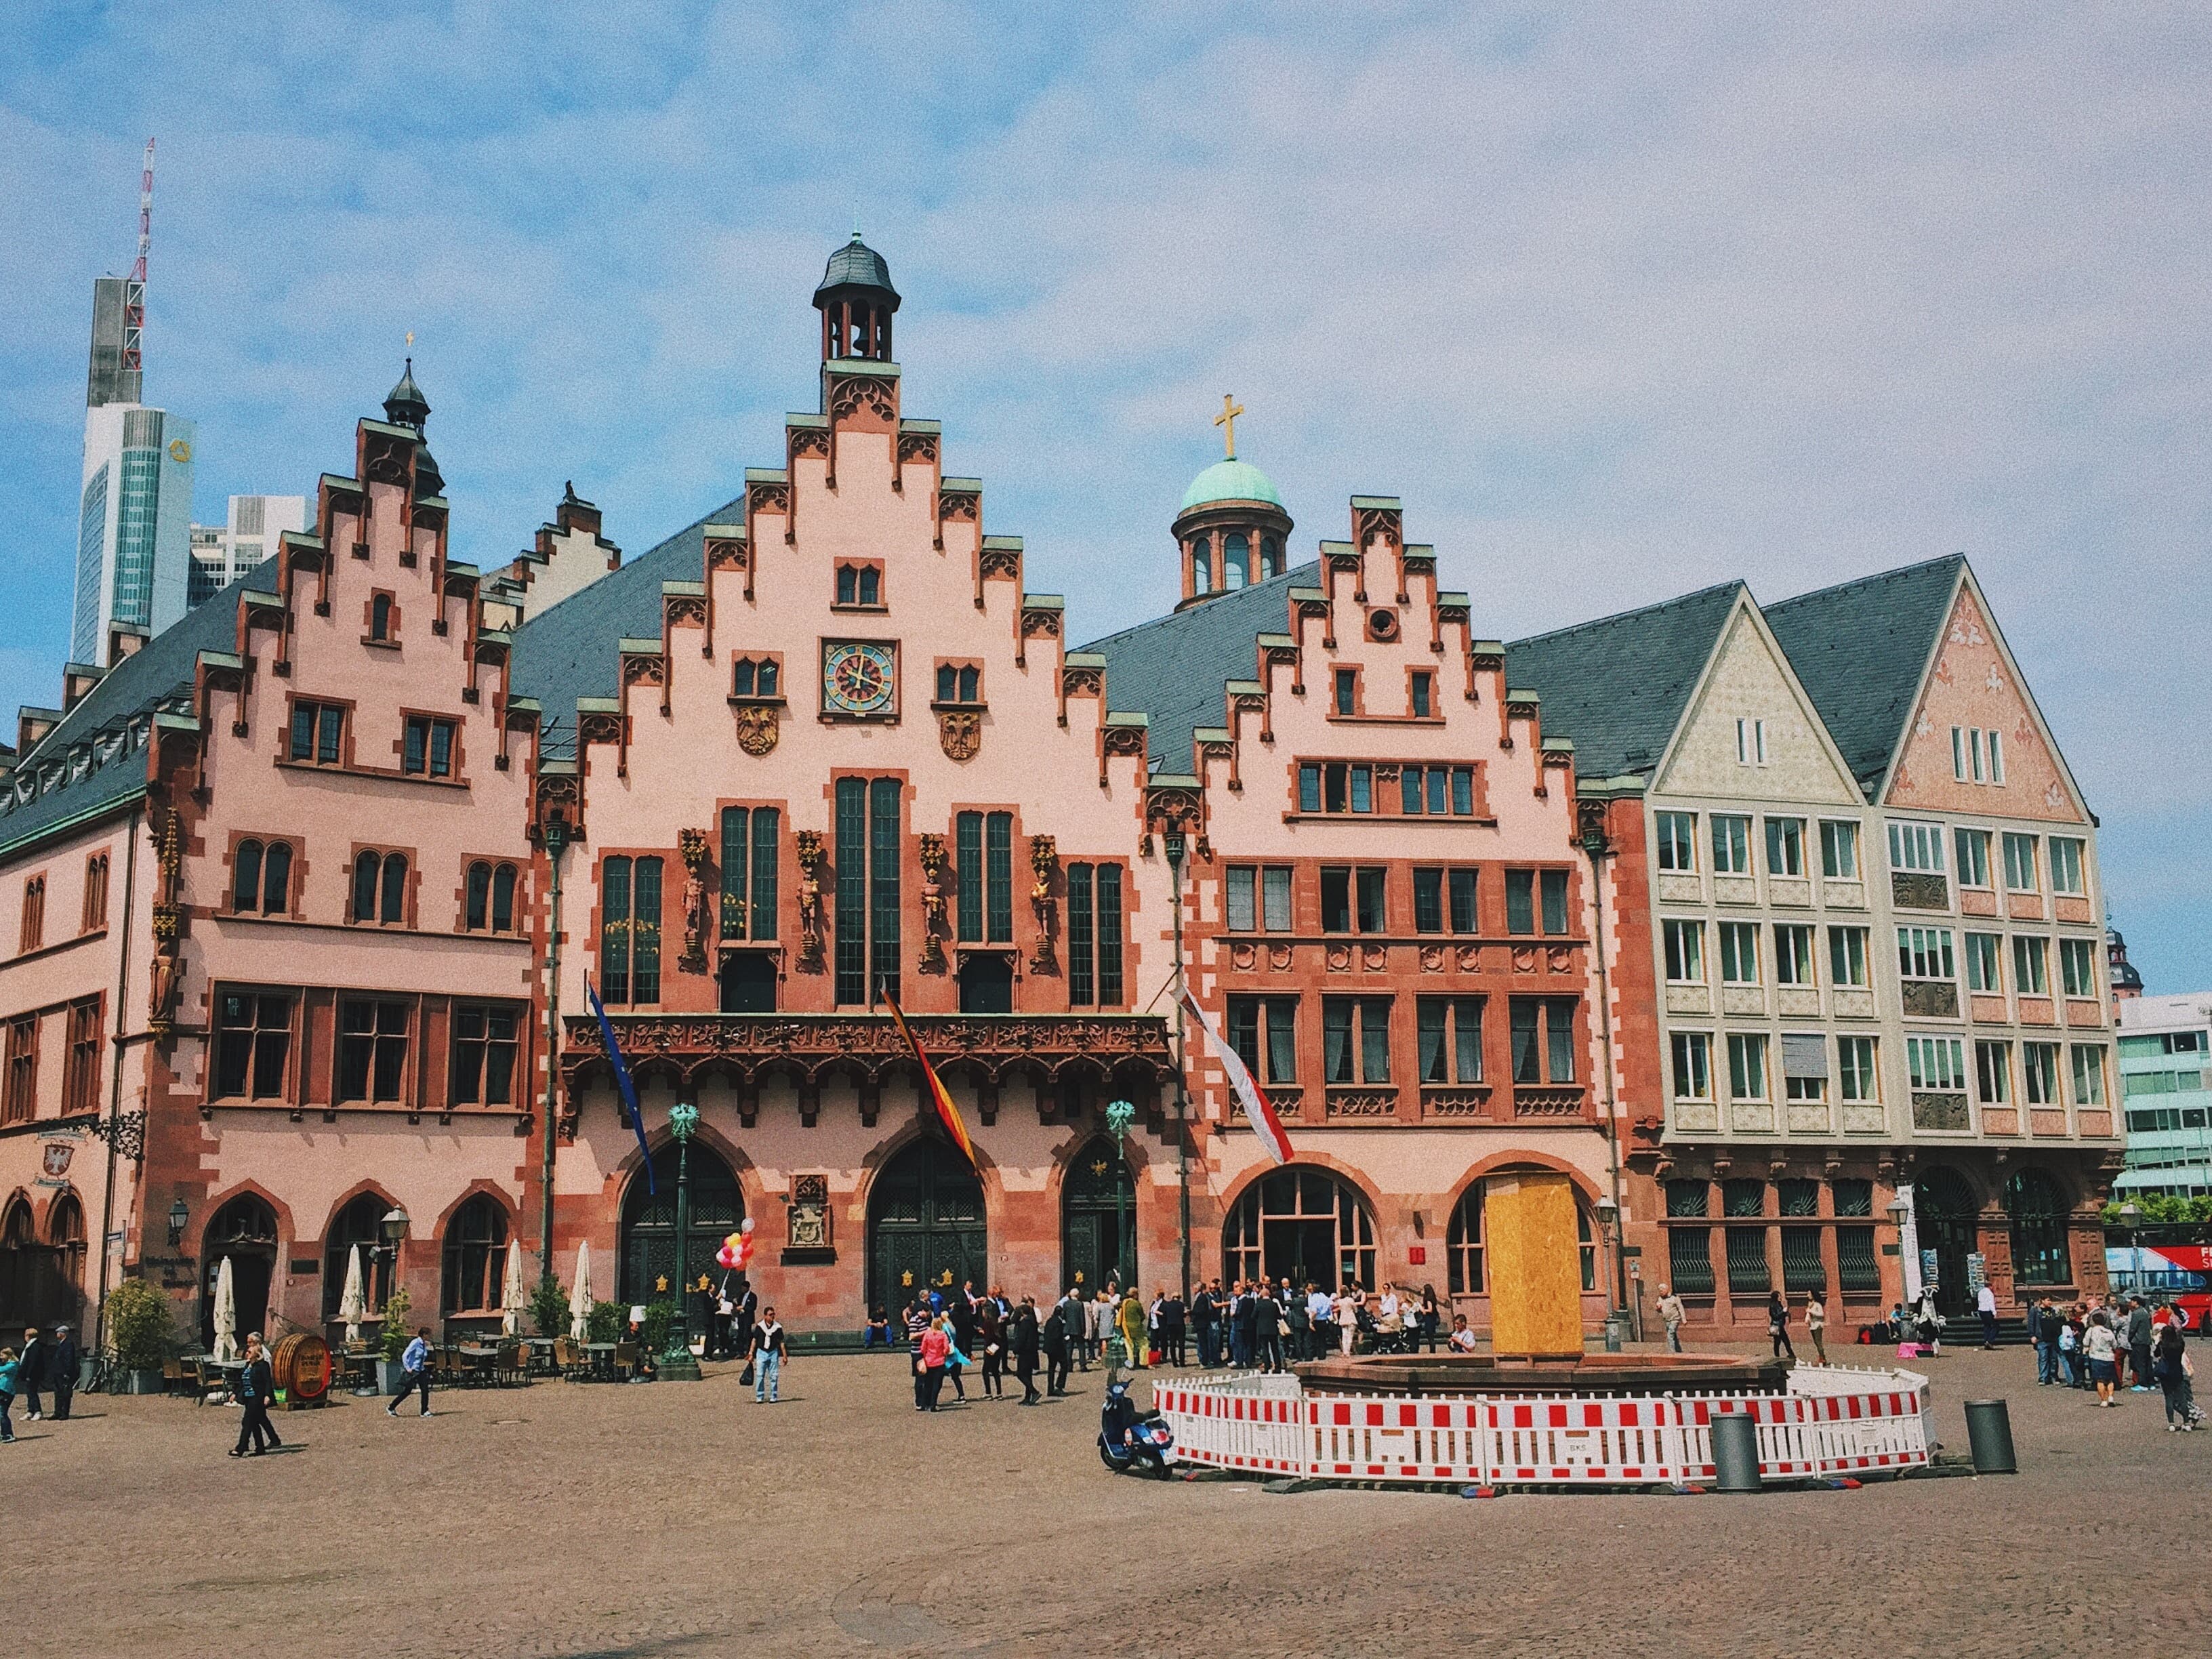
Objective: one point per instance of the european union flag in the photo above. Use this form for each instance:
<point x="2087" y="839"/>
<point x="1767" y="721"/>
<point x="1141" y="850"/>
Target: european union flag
<point x="621" y="1080"/>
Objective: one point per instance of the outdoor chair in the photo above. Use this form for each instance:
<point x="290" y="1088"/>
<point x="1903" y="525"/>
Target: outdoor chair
<point x="625" y="1360"/>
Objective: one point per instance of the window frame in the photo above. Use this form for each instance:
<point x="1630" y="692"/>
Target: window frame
<point x="1838" y="837"/>
<point x="1675" y="847"/>
<point x="1684" y="966"/>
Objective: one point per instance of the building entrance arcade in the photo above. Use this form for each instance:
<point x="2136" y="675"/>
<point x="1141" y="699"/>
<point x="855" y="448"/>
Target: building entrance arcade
<point x="650" y="1252"/>
<point x="926" y="1226"/>
<point x="1300" y="1223"/>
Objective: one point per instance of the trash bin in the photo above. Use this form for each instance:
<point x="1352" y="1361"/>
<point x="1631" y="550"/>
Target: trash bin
<point x="1735" y="1452"/>
<point x="1989" y="1435"/>
<point x="1613" y="1333"/>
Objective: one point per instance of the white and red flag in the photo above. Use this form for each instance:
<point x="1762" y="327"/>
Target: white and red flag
<point x="1257" y="1112"/>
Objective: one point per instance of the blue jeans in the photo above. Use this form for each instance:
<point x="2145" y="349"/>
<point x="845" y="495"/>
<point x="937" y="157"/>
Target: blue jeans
<point x="766" y="1368"/>
<point x="7" y="1429"/>
<point x="2046" y="1362"/>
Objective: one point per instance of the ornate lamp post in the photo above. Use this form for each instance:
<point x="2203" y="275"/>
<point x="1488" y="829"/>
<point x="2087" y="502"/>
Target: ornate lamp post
<point x="676" y="1363"/>
<point x="1118" y="1118"/>
<point x="2131" y="1218"/>
<point x="1172" y="843"/>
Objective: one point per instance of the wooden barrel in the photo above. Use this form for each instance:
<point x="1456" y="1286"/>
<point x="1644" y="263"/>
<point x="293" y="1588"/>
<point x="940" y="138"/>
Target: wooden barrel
<point x="303" y="1369"/>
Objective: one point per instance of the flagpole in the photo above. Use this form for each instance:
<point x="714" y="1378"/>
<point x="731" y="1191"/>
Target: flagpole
<point x="1172" y="843"/>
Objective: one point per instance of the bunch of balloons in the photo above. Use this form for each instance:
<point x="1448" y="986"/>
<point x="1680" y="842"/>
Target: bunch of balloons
<point x="738" y="1249"/>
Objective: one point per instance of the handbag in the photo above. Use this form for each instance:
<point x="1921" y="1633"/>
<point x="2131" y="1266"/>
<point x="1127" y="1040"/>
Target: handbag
<point x="746" y="1375"/>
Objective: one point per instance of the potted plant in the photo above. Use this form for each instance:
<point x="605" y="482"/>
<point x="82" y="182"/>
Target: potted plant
<point x="549" y="1308"/>
<point x="606" y="1321"/>
<point x="141" y="1333"/>
<point x="391" y="1342"/>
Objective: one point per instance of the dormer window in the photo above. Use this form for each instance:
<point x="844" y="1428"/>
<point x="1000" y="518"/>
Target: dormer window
<point x="959" y="683"/>
<point x="755" y="677"/>
<point x="860" y="585"/>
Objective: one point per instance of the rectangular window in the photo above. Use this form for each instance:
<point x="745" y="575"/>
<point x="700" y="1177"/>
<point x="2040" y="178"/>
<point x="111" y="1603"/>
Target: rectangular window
<point x="1363" y="788"/>
<point x="614" y="930"/>
<point x="318" y="734"/>
<point x="1785" y="846"/>
<point x="1751" y="743"/>
<point x="968" y="875"/>
<point x="1552" y="886"/>
<point x="1856" y="1079"/>
<point x="735" y="869"/>
<point x="1520" y="900"/>
<point x="1424" y="696"/>
<point x="1936" y="1063"/>
<point x="884" y="888"/>
<point x="630" y="930"/>
<point x="81" y="1065"/>
<point x="2077" y="966"/>
<point x="1360" y="1023"/>
<point x="2039" y="1073"/>
<point x="1094" y="935"/>
<point x="1983" y="957"/>
<point x="427" y="749"/>
<point x="1739" y="952"/>
<point x="1310" y="789"/>
<point x="1748" y="1273"/>
<point x="1678" y="841"/>
<point x="371" y="1049"/>
<point x="1839" y="850"/>
<point x="1685" y="953"/>
<point x="1793" y="954"/>
<point x="1857" y="1265"/>
<point x="1428" y="900"/>
<point x="1347" y="690"/>
<point x="749" y="861"/>
<point x="33" y="933"/>
<point x="1917" y="847"/>
<point x="1463" y="791"/>
<point x="767" y="824"/>
<point x="1275" y="898"/>
<point x="1282" y="1017"/>
<point x="1409" y="791"/>
<point x="22" y="1100"/>
<point x="1731" y="844"/>
<point x="2020" y="863"/>
<point x="1993" y="1073"/>
<point x="2031" y="966"/>
<point x="1847" y="956"/>
<point x="1747" y="1066"/>
<point x="2088" y="1074"/>
<point x="1543" y="1039"/>
<point x="1373" y="917"/>
<point x="1693" y="1066"/>
<point x="998" y="876"/>
<point x="94" y="914"/>
<point x="1335" y="899"/>
<point x="483" y="1053"/>
<point x="1244" y="1031"/>
<point x="1459" y="886"/>
<point x="1801" y="1259"/>
<point x="1689" y="1260"/>
<point x="1925" y="953"/>
<point x="2066" y="866"/>
<point x="253" y="1040"/>
<point x="1450" y="1030"/>
<point x="1334" y="797"/>
<point x="1996" y="743"/>
<point x="1242" y="898"/>
<point x="851" y="852"/>
<point x="1973" y="857"/>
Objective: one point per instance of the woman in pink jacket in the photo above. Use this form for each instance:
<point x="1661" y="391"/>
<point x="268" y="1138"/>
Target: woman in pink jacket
<point x="929" y="1364"/>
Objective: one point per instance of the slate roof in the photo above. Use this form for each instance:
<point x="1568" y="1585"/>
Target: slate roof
<point x="1618" y="686"/>
<point x="568" y="650"/>
<point x="1175" y="669"/>
<point x="1861" y="650"/>
<point x="52" y="787"/>
<point x="856" y="264"/>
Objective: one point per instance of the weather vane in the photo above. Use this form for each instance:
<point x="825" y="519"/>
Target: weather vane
<point x="1230" y="409"/>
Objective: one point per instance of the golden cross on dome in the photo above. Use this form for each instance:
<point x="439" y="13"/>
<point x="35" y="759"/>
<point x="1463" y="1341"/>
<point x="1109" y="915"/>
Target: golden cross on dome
<point x="1230" y="409"/>
<point x="411" y="339"/>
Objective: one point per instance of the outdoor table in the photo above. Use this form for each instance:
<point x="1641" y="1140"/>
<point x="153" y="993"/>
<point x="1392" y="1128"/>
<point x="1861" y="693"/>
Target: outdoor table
<point x="602" y="1356"/>
<point x="478" y="1362"/>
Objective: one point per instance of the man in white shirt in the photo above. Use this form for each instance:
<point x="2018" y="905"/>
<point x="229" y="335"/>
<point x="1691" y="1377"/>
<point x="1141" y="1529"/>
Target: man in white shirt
<point x="1985" y="1303"/>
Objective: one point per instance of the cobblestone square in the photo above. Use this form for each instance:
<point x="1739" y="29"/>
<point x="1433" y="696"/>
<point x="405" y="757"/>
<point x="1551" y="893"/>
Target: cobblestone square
<point x="682" y="1519"/>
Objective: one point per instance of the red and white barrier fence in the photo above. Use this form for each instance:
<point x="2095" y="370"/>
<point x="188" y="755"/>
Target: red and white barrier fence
<point x="1839" y="1423"/>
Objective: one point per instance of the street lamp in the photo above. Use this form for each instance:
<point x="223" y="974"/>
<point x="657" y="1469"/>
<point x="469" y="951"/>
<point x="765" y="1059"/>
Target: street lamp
<point x="394" y="1228"/>
<point x="676" y="1362"/>
<point x="1172" y="842"/>
<point x="178" y="1216"/>
<point x="1118" y="1118"/>
<point x="2130" y="1218"/>
<point x="1609" y="1219"/>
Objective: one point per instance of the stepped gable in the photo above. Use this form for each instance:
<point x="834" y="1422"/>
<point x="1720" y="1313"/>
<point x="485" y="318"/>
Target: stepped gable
<point x="1175" y="669"/>
<point x="567" y="651"/>
<point x="1618" y="686"/>
<point x="161" y="671"/>
<point x="1862" y="650"/>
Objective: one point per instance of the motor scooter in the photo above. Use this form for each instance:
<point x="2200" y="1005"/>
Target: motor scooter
<point x="1130" y="1442"/>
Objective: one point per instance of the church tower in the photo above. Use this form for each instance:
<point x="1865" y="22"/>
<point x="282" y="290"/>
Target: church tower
<point x="1231" y="529"/>
<point x="856" y="300"/>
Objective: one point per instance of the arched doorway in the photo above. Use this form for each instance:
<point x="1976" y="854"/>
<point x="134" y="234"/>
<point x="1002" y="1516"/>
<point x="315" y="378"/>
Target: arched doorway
<point x="1300" y="1224"/>
<point x="925" y="1225"/>
<point x="473" y="1259"/>
<point x="32" y="1291"/>
<point x="649" y="1252"/>
<point x="1464" y="1246"/>
<point x="245" y="1230"/>
<point x="1098" y="1186"/>
<point x="65" y="1235"/>
<point x="2037" y="1211"/>
<point x="359" y="1227"/>
<point x="1943" y="1210"/>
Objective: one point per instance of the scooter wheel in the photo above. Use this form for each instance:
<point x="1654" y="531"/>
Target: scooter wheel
<point x="1107" y="1458"/>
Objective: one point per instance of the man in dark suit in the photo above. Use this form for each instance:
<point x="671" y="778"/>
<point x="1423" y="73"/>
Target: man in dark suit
<point x="1025" y="1350"/>
<point x="31" y="1370"/>
<point x="255" y="1384"/>
<point x="1056" y="1342"/>
<point x="61" y="1359"/>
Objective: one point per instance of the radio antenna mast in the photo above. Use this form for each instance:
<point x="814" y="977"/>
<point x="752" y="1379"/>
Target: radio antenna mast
<point x="134" y="294"/>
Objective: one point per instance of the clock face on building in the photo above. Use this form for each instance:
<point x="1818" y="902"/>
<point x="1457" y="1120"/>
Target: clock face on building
<point x="860" y="679"/>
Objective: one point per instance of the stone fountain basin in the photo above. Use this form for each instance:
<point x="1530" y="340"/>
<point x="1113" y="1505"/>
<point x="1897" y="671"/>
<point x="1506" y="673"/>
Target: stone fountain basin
<point x="1612" y="1374"/>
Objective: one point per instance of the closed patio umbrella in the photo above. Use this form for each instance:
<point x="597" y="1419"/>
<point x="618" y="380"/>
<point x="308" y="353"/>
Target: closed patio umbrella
<point x="226" y="1313"/>
<point x="510" y="1296"/>
<point x="579" y="1294"/>
<point x="354" y="1304"/>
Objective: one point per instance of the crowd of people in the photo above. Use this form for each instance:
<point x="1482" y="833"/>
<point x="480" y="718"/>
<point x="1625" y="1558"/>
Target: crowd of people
<point x="46" y="1364"/>
<point x="2101" y="1345"/>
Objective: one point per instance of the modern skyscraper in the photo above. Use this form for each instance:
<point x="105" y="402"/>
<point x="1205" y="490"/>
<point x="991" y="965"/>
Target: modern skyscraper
<point x="223" y="552"/>
<point x="135" y="511"/>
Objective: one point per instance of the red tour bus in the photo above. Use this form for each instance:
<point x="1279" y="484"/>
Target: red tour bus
<point x="2179" y="1273"/>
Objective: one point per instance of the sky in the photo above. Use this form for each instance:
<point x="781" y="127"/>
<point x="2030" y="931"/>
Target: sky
<point x="1620" y="302"/>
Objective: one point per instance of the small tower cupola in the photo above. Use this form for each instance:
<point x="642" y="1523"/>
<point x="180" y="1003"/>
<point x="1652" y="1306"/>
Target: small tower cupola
<point x="405" y="405"/>
<point x="856" y="300"/>
<point x="1231" y="530"/>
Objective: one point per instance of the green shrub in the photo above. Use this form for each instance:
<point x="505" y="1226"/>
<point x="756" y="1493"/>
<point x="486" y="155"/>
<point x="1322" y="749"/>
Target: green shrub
<point x="142" y="1329"/>
<point x="395" y="1336"/>
<point x="549" y="1308"/>
<point x="605" y="1322"/>
<point x="654" y="1332"/>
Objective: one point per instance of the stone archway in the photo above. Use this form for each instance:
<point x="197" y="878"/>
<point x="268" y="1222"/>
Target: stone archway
<point x="926" y="1225"/>
<point x="648" y="1249"/>
<point x="1301" y="1223"/>
<point x="1944" y="1215"/>
<point x="244" y="1231"/>
<point x="1098" y="1192"/>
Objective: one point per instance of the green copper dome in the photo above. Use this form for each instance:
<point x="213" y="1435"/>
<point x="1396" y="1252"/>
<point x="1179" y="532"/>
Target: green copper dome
<point x="1229" y="480"/>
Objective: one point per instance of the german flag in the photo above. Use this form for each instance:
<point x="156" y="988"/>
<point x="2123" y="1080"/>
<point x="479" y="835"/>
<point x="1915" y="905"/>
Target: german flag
<point x="947" y="1113"/>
